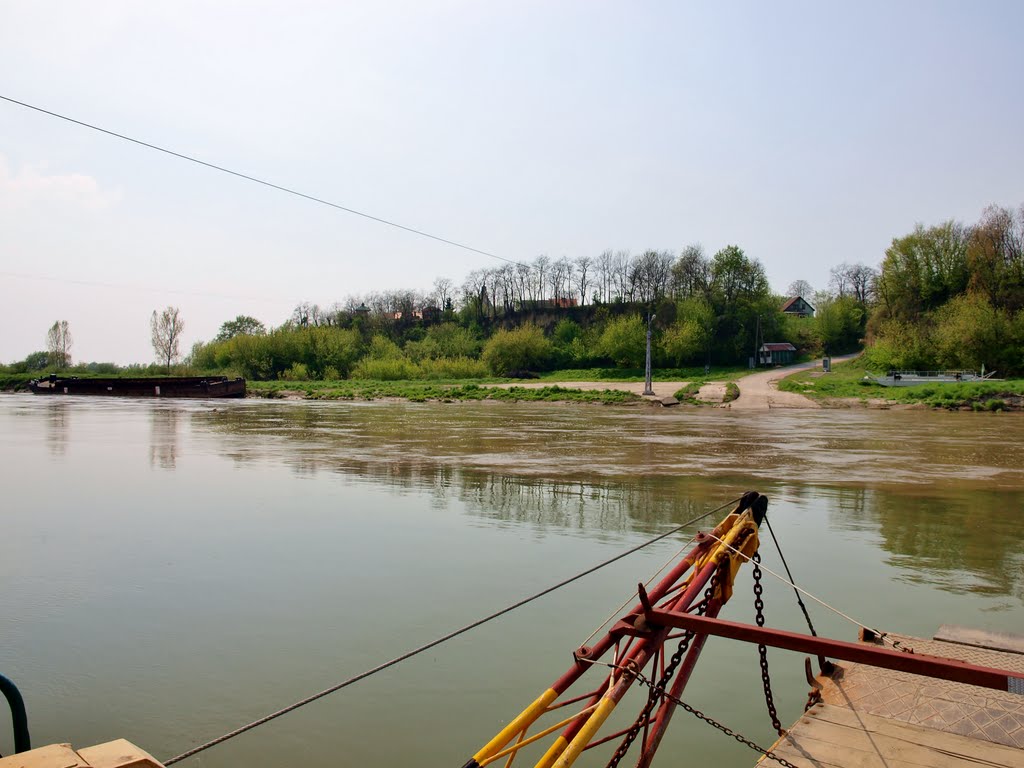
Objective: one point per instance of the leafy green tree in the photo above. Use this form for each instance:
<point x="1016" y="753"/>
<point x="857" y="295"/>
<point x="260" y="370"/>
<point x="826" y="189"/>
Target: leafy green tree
<point x="37" y="361"/>
<point x="520" y="349"/>
<point x="243" y="324"/>
<point x="923" y="270"/>
<point x="969" y="332"/>
<point x="839" y="322"/>
<point x="735" y="277"/>
<point x="624" y="341"/>
<point x="687" y="339"/>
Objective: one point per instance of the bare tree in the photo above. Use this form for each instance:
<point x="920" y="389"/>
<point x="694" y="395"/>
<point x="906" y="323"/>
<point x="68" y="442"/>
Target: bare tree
<point x="691" y="273"/>
<point x="583" y="264"/>
<point x="800" y="288"/>
<point x="58" y="344"/>
<point x="166" y="328"/>
<point x="443" y="291"/>
<point x="862" y="281"/>
<point x="839" y="279"/>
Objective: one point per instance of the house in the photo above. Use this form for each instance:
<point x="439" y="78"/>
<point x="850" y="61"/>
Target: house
<point x="798" y="307"/>
<point x="776" y="353"/>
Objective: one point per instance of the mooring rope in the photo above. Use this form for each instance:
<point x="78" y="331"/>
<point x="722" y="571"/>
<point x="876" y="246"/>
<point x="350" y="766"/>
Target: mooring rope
<point x="442" y="639"/>
<point x="881" y="635"/>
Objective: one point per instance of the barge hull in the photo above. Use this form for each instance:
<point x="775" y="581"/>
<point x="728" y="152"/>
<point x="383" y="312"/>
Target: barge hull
<point x="164" y="386"/>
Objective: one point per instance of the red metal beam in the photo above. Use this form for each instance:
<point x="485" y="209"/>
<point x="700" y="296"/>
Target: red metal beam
<point x="914" y="663"/>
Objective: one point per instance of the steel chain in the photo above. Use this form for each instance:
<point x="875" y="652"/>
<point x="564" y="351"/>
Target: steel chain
<point x="730" y="732"/>
<point x="762" y="650"/>
<point x="652" y="697"/>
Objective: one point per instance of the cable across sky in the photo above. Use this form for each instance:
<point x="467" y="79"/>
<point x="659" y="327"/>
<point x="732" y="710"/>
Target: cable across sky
<point x="256" y="180"/>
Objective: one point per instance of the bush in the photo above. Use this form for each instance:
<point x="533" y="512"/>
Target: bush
<point x="454" y="368"/>
<point x="297" y="372"/>
<point x="386" y="369"/>
<point x="624" y="341"/>
<point x="522" y="348"/>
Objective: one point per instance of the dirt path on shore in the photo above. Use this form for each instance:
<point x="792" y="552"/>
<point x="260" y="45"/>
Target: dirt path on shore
<point x="760" y="391"/>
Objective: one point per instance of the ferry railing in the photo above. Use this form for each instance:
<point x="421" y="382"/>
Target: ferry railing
<point x="19" y="718"/>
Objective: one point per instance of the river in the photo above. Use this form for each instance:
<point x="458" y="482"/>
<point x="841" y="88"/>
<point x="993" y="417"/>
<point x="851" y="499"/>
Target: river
<point x="171" y="570"/>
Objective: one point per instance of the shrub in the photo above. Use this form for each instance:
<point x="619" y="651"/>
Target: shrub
<point x="297" y="372"/>
<point x="454" y="368"/>
<point x="386" y="369"/>
<point x="624" y="341"/>
<point x="522" y="348"/>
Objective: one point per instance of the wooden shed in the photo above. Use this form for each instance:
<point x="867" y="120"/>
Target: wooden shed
<point x="776" y="353"/>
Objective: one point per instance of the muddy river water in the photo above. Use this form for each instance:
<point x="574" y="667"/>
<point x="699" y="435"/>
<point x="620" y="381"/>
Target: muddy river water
<point x="171" y="570"/>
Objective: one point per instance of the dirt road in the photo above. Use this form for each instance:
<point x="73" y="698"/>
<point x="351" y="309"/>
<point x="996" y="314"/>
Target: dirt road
<point x="760" y="391"/>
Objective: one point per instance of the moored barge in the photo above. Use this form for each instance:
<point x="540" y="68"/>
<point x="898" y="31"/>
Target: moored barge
<point x="149" y="386"/>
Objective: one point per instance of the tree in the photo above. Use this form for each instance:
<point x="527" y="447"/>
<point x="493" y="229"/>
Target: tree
<point x="800" y="288"/>
<point x="443" y="292"/>
<point x="166" y="329"/>
<point x="241" y="325"/>
<point x="58" y="344"/>
<point x="521" y="349"/>
<point x="624" y="341"/>
<point x="734" y="276"/>
<point x="691" y="272"/>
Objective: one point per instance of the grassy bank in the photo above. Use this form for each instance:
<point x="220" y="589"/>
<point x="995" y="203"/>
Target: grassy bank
<point x="847" y="382"/>
<point x="14" y="382"/>
<point x="422" y="391"/>
<point x="695" y="375"/>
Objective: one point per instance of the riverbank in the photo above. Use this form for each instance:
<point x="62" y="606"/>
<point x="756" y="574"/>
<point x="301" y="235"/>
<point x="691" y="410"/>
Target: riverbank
<point x="800" y="386"/>
<point x="848" y="386"/>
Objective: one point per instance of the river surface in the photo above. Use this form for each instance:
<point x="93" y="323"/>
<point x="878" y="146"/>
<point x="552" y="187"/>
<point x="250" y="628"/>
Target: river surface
<point x="171" y="570"/>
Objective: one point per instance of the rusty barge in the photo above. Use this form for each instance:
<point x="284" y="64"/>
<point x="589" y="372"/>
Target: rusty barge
<point x="149" y="386"/>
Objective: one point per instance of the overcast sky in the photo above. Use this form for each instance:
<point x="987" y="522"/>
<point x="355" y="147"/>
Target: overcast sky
<point x="808" y="134"/>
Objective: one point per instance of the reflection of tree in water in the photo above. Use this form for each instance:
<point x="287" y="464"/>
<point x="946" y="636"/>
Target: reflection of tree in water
<point x="58" y="424"/>
<point x="163" y="437"/>
<point x="970" y="539"/>
<point x="588" y="502"/>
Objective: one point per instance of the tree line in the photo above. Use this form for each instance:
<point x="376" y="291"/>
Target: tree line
<point x="951" y="296"/>
<point x="944" y="296"/>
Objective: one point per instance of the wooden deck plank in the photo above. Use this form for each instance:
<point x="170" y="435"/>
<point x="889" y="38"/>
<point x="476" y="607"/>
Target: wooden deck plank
<point x="828" y="736"/>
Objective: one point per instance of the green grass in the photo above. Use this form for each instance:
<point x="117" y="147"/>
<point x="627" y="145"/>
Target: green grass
<point x="696" y="374"/>
<point x="421" y="391"/>
<point x="15" y="382"/>
<point x="847" y="381"/>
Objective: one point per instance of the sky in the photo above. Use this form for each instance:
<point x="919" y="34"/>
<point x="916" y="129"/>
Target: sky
<point x="807" y="133"/>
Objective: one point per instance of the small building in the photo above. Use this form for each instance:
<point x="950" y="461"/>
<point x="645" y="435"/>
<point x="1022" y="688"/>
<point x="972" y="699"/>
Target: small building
<point x="429" y="314"/>
<point x="798" y="307"/>
<point x="776" y="353"/>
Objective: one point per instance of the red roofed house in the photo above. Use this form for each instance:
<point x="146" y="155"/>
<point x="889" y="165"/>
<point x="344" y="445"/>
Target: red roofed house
<point x="797" y="306"/>
<point x="776" y="353"/>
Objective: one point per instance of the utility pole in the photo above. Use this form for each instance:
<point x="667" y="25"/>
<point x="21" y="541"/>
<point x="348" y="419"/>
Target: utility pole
<point x="647" y="371"/>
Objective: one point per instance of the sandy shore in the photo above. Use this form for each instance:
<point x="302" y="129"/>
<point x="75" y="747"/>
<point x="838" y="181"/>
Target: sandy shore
<point x="661" y="389"/>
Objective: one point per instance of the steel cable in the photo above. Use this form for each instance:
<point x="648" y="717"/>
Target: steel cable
<point x="440" y="640"/>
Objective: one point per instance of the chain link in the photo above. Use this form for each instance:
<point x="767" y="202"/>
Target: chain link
<point x="653" y="695"/>
<point x="762" y="650"/>
<point x="730" y="732"/>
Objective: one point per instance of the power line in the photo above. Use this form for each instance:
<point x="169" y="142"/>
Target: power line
<point x="257" y="180"/>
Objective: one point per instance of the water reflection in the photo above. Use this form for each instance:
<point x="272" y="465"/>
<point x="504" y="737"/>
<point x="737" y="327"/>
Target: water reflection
<point x="163" y="437"/>
<point x="603" y="472"/>
<point x="58" y="427"/>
